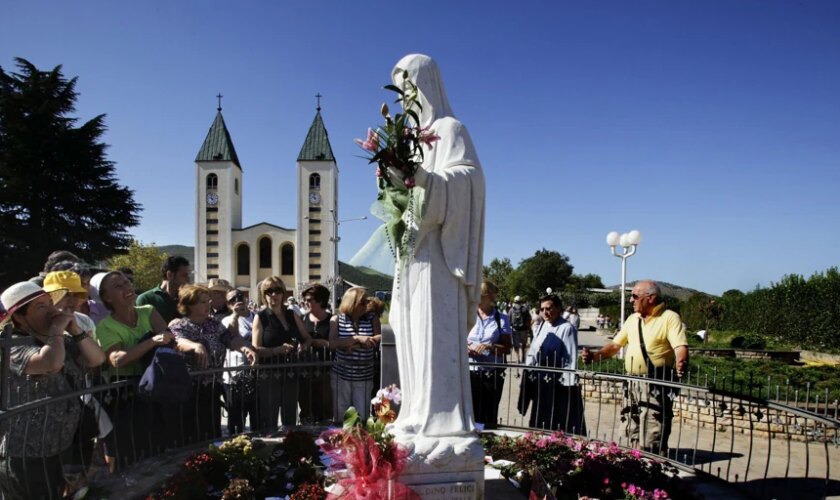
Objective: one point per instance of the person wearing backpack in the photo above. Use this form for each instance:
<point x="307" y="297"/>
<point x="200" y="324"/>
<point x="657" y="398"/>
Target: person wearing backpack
<point x="520" y="323"/>
<point x="127" y="336"/>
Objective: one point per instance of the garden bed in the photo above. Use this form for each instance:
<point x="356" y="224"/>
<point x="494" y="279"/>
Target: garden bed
<point x="572" y="468"/>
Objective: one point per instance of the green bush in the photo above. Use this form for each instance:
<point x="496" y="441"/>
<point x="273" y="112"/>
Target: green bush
<point x="794" y="311"/>
<point x="749" y="341"/>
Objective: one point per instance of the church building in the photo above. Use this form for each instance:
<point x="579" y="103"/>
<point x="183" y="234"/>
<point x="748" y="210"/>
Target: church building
<point x="245" y="255"/>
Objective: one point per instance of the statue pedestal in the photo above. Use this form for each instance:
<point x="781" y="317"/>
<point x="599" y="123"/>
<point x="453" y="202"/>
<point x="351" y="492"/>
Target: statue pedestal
<point x="445" y="468"/>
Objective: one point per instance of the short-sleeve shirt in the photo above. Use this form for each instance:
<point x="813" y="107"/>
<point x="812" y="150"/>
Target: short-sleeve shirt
<point x="110" y="332"/>
<point x="215" y="338"/>
<point x="358" y="363"/>
<point x="236" y="358"/>
<point x="486" y="331"/>
<point x="165" y="305"/>
<point x="663" y="331"/>
<point x="46" y="430"/>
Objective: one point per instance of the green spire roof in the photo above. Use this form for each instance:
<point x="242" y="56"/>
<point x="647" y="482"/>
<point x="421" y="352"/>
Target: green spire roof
<point x="218" y="146"/>
<point x="316" y="147"/>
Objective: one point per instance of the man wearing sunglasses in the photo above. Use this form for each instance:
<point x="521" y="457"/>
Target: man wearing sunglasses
<point x="657" y="348"/>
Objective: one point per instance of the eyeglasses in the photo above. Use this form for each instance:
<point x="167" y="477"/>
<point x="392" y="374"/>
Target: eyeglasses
<point x="273" y="291"/>
<point x="636" y="297"/>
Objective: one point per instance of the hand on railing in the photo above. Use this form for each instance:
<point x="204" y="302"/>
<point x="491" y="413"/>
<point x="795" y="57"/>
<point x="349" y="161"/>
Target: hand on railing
<point x="250" y="354"/>
<point x="200" y="356"/>
<point x="682" y="368"/>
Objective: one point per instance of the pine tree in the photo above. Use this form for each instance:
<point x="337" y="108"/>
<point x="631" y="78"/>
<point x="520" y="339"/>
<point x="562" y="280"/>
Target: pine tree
<point x="58" y="190"/>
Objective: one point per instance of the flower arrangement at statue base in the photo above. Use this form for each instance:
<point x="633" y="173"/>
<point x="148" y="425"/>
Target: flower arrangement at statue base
<point x="366" y="462"/>
<point x="574" y="468"/>
<point x="250" y="468"/>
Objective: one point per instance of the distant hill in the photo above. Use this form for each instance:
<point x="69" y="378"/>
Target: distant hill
<point x="181" y="250"/>
<point x="669" y="289"/>
<point x="364" y="276"/>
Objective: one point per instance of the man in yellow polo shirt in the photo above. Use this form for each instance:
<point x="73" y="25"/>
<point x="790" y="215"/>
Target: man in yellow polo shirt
<point x="648" y="409"/>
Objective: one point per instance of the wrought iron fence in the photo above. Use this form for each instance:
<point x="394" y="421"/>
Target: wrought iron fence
<point x="777" y="442"/>
<point x="774" y="443"/>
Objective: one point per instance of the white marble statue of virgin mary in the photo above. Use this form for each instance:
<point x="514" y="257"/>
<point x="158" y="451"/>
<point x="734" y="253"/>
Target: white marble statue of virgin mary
<point x="437" y="290"/>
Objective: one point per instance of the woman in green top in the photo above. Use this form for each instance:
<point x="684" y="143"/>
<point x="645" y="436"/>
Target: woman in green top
<point x="121" y="337"/>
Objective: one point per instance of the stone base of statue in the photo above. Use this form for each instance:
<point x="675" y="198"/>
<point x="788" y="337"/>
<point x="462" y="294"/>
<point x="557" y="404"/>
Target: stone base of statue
<point x="444" y="468"/>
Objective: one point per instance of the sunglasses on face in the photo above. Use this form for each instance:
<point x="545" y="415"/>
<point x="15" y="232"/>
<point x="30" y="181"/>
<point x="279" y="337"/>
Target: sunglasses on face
<point x="635" y="297"/>
<point x="273" y="291"/>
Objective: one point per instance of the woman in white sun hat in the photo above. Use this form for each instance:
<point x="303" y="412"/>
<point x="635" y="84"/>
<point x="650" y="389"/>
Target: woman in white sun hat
<point x="49" y="362"/>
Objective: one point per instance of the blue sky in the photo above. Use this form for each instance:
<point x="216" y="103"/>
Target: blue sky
<point x="712" y="127"/>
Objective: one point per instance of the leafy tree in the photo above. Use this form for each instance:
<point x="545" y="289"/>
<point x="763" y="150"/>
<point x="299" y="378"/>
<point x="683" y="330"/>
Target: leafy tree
<point x="545" y="269"/>
<point x="581" y="283"/>
<point x="499" y="271"/>
<point x="144" y="260"/>
<point x="57" y="188"/>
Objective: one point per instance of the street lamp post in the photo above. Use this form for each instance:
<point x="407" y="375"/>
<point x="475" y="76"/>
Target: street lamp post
<point x="335" y="239"/>
<point x="628" y="243"/>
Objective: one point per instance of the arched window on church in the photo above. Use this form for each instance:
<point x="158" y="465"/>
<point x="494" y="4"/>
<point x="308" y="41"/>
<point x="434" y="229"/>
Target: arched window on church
<point x="265" y="252"/>
<point x="212" y="181"/>
<point x="243" y="260"/>
<point x="287" y="259"/>
<point x="314" y="181"/>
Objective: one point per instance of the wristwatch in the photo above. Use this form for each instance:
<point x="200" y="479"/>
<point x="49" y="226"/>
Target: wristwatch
<point x="80" y="337"/>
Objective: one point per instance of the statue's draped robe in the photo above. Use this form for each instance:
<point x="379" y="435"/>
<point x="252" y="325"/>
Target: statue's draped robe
<point x="437" y="292"/>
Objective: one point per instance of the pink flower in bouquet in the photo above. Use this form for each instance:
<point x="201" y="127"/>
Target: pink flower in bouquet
<point x="409" y="182"/>
<point x="371" y="143"/>
<point x="428" y="138"/>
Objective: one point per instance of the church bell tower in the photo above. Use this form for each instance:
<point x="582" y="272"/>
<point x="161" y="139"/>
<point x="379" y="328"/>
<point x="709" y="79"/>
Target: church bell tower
<point x="218" y="202"/>
<point x="317" y="229"/>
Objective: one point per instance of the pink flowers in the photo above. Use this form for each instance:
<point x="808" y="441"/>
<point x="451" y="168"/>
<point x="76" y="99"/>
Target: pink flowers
<point x="400" y="143"/>
<point x="589" y="468"/>
<point x="391" y="393"/>
<point x="427" y="137"/>
<point x="365" y="458"/>
<point x="371" y="143"/>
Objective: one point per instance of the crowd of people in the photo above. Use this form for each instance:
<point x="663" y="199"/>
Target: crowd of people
<point x="75" y="327"/>
<point x="262" y="363"/>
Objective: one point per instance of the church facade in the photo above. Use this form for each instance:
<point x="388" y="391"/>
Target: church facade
<point x="244" y="256"/>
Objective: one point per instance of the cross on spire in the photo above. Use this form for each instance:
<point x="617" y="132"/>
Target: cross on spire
<point x="219" y="97"/>
<point x="319" y="96"/>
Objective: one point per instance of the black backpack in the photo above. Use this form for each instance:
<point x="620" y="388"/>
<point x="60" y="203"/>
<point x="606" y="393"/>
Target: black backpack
<point x="517" y="318"/>
<point x="167" y="379"/>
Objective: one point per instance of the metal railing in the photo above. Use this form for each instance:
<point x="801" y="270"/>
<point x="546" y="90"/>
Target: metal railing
<point x="771" y="443"/>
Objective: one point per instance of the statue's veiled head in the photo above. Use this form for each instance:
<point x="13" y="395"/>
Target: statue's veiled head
<point x="424" y="72"/>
